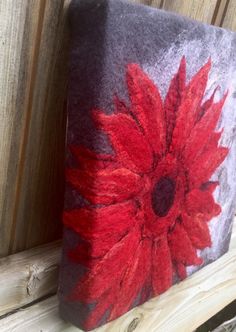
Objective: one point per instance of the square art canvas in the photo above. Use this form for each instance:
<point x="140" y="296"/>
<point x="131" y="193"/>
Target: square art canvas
<point x="151" y="155"/>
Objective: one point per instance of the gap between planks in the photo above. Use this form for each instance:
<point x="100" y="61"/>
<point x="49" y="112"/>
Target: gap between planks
<point x="181" y="309"/>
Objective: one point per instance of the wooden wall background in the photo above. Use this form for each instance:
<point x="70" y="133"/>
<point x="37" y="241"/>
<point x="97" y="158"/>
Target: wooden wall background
<point x="33" y="56"/>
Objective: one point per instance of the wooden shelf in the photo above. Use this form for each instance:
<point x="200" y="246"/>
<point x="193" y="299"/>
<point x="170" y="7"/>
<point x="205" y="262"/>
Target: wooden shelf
<point x="181" y="309"/>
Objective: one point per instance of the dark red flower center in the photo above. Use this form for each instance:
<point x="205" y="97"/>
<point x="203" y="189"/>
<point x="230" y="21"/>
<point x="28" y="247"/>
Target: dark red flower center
<point x="163" y="196"/>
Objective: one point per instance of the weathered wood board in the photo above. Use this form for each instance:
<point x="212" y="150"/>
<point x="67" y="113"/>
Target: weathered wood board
<point x="28" y="276"/>
<point x="202" y="10"/>
<point x="181" y="309"/>
<point x="32" y="122"/>
<point x="229" y="16"/>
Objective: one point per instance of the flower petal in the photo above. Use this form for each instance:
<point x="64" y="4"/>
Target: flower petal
<point x="206" y="105"/>
<point x="146" y="105"/>
<point x="130" y="145"/>
<point x="205" y="165"/>
<point x="95" y="223"/>
<point x="82" y="255"/>
<point x="197" y="230"/>
<point x="105" y="186"/>
<point x="181" y="247"/>
<point x="120" y="106"/>
<point x="133" y="280"/>
<point x="189" y="108"/>
<point x="88" y="253"/>
<point x="108" y="271"/>
<point x="209" y="186"/>
<point x="203" y="132"/>
<point x="90" y="160"/>
<point x="181" y="270"/>
<point x="162" y="273"/>
<point x="173" y="98"/>
<point x="209" y="160"/>
<point x="202" y="202"/>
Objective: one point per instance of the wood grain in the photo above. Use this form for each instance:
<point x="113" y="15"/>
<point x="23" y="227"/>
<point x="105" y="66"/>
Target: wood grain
<point x="28" y="276"/>
<point x="16" y="71"/>
<point x="153" y="3"/>
<point x="41" y="317"/>
<point x="156" y="3"/>
<point x="181" y="309"/>
<point x="32" y="274"/>
<point x="202" y="10"/>
<point x="40" y="196"/>
<point x="229" y="19"/>
<point x="33" y="70"/>
<point x="220" y="10"/>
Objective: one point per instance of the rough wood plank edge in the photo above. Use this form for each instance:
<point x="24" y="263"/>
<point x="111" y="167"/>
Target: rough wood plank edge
<point x="181" y="309"/>
<point x="28" y="276"/>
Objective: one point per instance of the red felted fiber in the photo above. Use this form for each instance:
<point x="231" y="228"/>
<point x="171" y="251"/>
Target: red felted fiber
<point x="151" y="201"/>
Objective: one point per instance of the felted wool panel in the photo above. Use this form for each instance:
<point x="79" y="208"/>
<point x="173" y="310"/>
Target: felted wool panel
<point x="151" y="182"/>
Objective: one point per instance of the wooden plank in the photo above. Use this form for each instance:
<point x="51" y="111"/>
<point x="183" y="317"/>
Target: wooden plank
<point x="153" y="3"/>
<point x="202" y="10"/>
<point x="28" y="276"/>
<point x="181" y="309"/>
<point x="33" y="41"/>
<point x="16" y="66"/>
<point x="39" y="198"/>
<point x="221" y="8"/>
<point x="229" y="20"/>
<point x="41" y="317"/>
<point x="34" y="159"/>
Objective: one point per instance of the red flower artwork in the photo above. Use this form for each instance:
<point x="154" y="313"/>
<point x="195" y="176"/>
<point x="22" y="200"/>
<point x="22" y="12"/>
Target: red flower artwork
<point x="151" y="201"/>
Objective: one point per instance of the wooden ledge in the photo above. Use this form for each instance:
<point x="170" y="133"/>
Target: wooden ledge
<point x="181" y="309"/>
<point x="28" y="276"/>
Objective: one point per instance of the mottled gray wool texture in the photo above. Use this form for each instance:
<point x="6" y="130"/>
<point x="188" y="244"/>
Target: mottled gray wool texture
<point x="108" y="34"/>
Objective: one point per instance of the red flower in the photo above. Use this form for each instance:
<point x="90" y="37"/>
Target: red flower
<point x="152" y="200"/>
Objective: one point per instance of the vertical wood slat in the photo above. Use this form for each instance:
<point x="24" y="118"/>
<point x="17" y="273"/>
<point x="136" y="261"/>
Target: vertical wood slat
<point x="220" y="11"/>
<point x="153" y="3"/>
<point x="32" y="121"/>
<point x="229" y="19"/>
<point x="217" y="12"/>
<point x="16" y="65"/>
<point x="40" y="199"/>
<point x="202" y="10"/>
